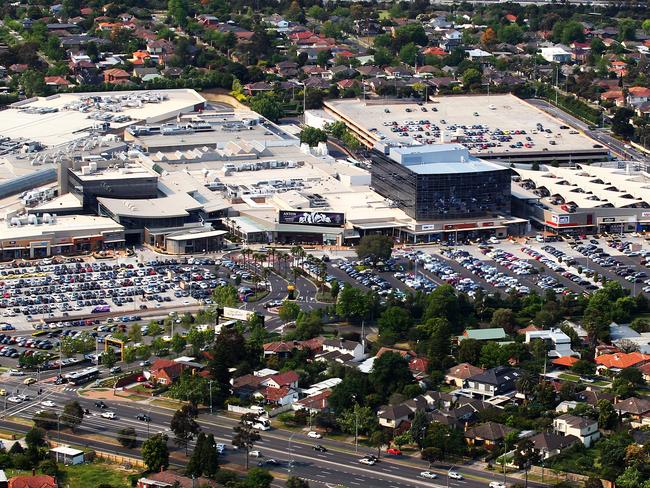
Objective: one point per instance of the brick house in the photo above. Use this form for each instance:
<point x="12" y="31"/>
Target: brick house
<point x="116" y="76"/>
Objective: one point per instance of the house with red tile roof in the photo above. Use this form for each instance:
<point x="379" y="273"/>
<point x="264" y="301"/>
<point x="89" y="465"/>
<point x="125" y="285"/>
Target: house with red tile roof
<point x="511" y="17"/>
<point x="314" y="403"/>
<point x="619" y="361"/>
<point x="116" y="76"/>
<point x="287" y="379"/>
<point x="40" y="481"/>
<point x="638" y="95"/>
<point x="456" y="375"/>
<point x="280" y="396"/>
<point x="167" y="479"/>
<point x="56" y="82"/>
<point x="529" y="328"/>
<point x="615" y="96"/>
<point x="565" y="361"/>
<point x="165" y="371"/>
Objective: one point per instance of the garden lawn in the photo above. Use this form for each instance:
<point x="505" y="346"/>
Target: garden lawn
<point x="89" y="475"/>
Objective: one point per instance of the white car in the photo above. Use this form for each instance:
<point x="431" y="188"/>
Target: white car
<point x="109" y="415"/>
<point x="221" y="448"/>
<point x="454" y="475"/>
<point x="16" y="372"/>
<point x="14" y="399"/>
<point x="497" y="484"/>
<point x="429" y="475"/>
<point x="314" y="435"/>
<point x="255" y="454"/>
<point x="48" y="403"/>
<point x="368" y="461"/>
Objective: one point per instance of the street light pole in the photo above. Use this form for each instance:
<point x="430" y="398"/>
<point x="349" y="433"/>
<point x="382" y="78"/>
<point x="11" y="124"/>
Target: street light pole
<point x="210" y="383"/>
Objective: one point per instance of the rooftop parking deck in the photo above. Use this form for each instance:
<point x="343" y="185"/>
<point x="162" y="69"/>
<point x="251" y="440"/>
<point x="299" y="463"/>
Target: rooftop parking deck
<point x="495" y="127"/>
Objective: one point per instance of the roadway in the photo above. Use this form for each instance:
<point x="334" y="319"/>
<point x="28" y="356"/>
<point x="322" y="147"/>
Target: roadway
<point x="293" y="450"/>
<point x="617" y="147"/>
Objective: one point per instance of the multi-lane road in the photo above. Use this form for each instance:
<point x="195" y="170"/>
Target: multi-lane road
<point x="293" y="450"/>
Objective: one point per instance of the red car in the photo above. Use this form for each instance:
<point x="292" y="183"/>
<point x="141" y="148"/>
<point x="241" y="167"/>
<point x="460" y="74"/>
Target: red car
<point x="394" y="452"/>
<point x="140" y="379"/>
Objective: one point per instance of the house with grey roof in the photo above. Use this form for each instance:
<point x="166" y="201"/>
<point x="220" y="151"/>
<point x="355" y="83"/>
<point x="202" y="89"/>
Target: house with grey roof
<point x="493" y="382"/>
<point x="581" y="427"/>
<point x="549" y="444"/>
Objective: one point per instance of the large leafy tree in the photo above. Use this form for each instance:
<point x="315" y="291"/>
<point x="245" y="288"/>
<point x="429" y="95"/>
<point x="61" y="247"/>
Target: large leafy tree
<point x="184" y="426"/>
<point x="390" y="373"/>
<point x="155" y="452"/>
<point x="245" y="436"/>
<point x="375" y="247"/>
<point x="72" y="414"/>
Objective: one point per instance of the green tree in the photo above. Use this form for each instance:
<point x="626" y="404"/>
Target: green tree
<point x="184" y="426"/>
<point x="295" y="482"/>
<point x="245" y="436"/>
<point x="258" y="477"/>
<point x="288" y="311"/>
<point x="107" y="358"/>
<point x="572" y="31"/>
<point x="33" y="82"/>
<point x="607" y="416"/>
<point x="471" y="77"/>
<point x="469" y="351"/>
<point x="267" y="105"/>
<point x="155" y="453"/>
<point x="646" y="26"/>
<point x="621" y="125"/>
<point x="511" y="34"/>
<point x="408" y="54"/>
<point x="127" y="437"/>
<point x="312" y="136"/>
<point x="358" y="419"/>
<point x="505" y="318"/>
<point x="627" y="30"/>
<point x="390" y="373"/>
<point x="225" y="296"/>
<point x="178" y="343"/>
<point x="351" y="304"/>
<point x="72" y="414"/>
<point x="395" y="323"/>
<point x="45" y="419"/>
<point x="375" y="248"/>
<point x="179" y="10"/>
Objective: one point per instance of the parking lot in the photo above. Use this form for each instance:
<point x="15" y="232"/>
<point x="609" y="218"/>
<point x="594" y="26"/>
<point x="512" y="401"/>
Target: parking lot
<point x="498" y="124"/>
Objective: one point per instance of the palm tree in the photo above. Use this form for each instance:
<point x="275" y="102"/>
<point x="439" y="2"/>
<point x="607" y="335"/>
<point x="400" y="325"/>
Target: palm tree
<point x="245" y="253"/>
<point x="526" y="385"/>
<point x="272" y="254"/>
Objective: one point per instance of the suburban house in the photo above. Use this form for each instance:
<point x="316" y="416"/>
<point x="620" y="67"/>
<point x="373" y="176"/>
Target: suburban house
<point x="559" y="340"/>
<point x="40" y="481"/>
<point x="493" y="334"/>
<point x="548" y="444"/>
<point x="317" y="402"/>
<point x="592" y="397"/>
<point x="556" y="54"/>
<point x="392" y="416"/>
<point x="638" y="95"/>
<point x="493" y="382"/>
<point x="67" y="455"/>
<point x="488" y="434"/>
<point x="637" y="409"/>
<point x="583" y="428"/>
<point x="116" y="76"/>
<point x="457" y="375"/>
<point x="348" y="348"/>
<point x="619" y="361"/>
<point x="280" y="396"/>
<point x="165" y="371"/>
<point x="288" y="379"/>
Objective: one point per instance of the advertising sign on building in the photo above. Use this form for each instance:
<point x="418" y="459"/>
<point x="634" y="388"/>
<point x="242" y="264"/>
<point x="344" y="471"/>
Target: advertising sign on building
<point x="328" y="219"/>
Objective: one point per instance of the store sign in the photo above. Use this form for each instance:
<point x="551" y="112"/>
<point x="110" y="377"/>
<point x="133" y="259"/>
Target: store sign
<point x="237" y="313"/>
<point x="428" y="227"/>
<point x="560" y="219"/>
<point x="487" y="224"/>
<point x="609" y="219"/>
<point x="329" y="219"/>
<point x="645" y="214"/>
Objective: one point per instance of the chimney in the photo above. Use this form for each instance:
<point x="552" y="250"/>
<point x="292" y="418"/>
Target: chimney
<point x="33" y="471"/>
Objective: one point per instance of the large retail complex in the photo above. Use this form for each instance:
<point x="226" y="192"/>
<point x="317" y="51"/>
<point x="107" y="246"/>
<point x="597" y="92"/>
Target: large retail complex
<point x="189" y="173"/>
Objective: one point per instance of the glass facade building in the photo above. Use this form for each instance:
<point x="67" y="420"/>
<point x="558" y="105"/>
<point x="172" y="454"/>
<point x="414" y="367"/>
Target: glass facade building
<point x="441" y="184"/>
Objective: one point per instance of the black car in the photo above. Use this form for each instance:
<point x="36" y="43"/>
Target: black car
<point x="143" y="417"/>
<point x="320" y="448"/>
<point x="100" y="404"/>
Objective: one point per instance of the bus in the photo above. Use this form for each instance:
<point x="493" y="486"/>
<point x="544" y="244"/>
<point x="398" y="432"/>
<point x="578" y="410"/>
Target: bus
<point x="82" y="376"/>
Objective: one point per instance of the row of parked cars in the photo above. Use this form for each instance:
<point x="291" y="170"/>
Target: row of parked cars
<point x="628" y="272"/>
<point x="365" y="276"/>
<point x="486" y="271"/>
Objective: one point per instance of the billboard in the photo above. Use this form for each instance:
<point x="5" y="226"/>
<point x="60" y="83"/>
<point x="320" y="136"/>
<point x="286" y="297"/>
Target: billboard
<point x="237" y="313"/>
<point x="328" y="219"/>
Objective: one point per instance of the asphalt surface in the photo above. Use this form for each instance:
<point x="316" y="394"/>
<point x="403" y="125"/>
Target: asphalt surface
<point x="616" y="146"/>
<point x="292" y="450"/>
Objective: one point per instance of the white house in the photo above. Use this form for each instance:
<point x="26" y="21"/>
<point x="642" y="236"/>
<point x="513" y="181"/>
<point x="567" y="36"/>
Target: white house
<point x="67" y="455"/>
<point x="478" y="54"/>
<point x="351" y="348"/>
<point x="583" y="428"/>
<point x="560" y="341"/>
<point x="556" y="54"/>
